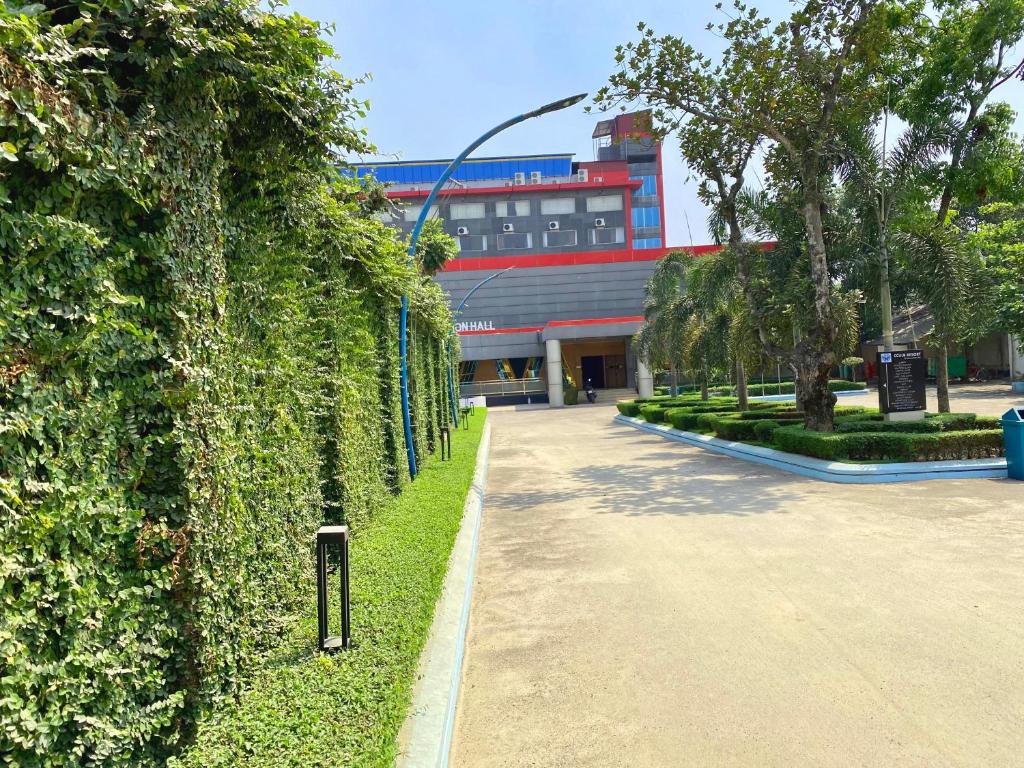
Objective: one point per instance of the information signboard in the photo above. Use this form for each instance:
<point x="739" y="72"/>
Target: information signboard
<point x="901" y="380"/>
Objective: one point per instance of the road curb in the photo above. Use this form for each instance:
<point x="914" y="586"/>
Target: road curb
<point x="426" y="735"/>
<point x="829" y="471"/>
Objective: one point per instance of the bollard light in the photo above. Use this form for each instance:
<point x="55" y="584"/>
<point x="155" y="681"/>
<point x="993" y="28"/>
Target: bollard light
<point x="446" y="440"/>
<point x="335" y="537"/>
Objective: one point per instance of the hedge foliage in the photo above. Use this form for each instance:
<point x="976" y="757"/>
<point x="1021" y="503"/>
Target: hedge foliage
<point x="788" y="388"/>
<point x="198" y="360"/>
<point x="861" y="433"/>
<point x="304" y="709"/>
<point x="891" y="446"/>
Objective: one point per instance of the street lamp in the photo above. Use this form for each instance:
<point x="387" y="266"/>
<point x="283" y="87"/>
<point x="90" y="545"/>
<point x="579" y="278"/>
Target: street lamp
<point x="414" y="237"/>
<point x="455" y="317"/>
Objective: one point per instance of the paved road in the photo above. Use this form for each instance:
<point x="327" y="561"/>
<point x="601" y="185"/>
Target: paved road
<point x="643" y="603"/>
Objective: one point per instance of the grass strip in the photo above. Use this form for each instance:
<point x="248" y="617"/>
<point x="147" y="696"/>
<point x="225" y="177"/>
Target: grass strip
<point x="312" y="710"/>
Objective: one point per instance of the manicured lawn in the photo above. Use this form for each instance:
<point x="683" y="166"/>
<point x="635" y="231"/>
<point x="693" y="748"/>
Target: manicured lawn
<point x="310" y="710"/>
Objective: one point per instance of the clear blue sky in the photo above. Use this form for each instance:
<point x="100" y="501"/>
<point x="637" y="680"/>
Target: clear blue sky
<point x="445" y="71"/>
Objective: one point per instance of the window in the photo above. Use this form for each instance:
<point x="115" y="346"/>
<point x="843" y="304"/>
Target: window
<point x="607" y="236"/>
<point x="384" y="217"/>
<point x="514" y="240"/>
<point x="646" y="242"/>
<point x="413" y="212"/>
<point x="559" y="238"/>
<point x="604" y="203"/>
<point x="648" y="186"/>
<point x="472" y="243"/>
<point x="646" y="217"/>
<point x="512" y="208"/>
<point x="466" y="211"/>
<point x="554" y="206"/>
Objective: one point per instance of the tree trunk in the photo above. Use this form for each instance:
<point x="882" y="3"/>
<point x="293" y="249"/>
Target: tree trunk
<point x="704" y="394"/>
<point x="674" y="383"/>
<point x="814" y="395"/>
<point x="885" y="296"/>
<point x="741" y="386"/>
<point x="942" y="379"/>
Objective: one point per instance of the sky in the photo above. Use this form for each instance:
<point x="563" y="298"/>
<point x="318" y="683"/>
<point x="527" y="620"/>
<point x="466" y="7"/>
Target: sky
<point x="445" y="71"/>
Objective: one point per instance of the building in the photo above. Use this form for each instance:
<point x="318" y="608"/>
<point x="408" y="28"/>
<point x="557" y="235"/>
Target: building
<point x="581" y="238"/>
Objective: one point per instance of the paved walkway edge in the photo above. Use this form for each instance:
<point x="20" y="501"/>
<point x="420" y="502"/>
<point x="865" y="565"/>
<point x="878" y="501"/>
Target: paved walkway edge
<point x="426" y="735"/>
<point x="830" y="471"/>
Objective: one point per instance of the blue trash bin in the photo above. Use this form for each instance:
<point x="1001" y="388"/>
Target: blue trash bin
<point x="1013" y="439"/>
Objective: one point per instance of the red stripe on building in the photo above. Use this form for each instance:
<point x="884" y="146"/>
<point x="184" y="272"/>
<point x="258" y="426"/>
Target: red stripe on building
<point x="472" y="264"/>
<point x="557" y="324"/>
<point x="492" y="331"/>
<point x="596" y="321"/>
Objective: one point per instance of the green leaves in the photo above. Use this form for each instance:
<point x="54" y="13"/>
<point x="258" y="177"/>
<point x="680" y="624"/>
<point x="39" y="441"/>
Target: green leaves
<point x="198" y="362"/>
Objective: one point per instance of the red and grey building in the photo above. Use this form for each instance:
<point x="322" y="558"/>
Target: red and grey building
<point x="582" y="238"/>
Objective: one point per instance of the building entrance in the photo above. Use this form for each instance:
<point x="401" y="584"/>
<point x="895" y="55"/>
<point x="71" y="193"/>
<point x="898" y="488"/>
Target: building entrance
<point x="593" y="369"/>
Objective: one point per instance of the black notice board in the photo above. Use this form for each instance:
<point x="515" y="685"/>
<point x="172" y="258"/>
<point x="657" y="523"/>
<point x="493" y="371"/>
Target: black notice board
<point x="901" y="378"/>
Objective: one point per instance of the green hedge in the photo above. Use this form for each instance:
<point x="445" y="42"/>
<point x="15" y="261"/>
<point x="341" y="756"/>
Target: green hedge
<point x="628" y="408"/>
<point x="892" y="446"/>
<point x="304" y="709"/>
<point x="733" y="427"/>
<point x="939" y="422"/>
<point x="197" y="362"/>
<point x="788" y="388"/>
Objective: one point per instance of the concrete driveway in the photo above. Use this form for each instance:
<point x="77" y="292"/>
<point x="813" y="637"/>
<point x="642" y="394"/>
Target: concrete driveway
<point x="643" y="603"/>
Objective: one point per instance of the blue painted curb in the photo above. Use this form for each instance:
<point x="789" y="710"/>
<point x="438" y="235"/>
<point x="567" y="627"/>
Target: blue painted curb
<point x="829" y="471"/>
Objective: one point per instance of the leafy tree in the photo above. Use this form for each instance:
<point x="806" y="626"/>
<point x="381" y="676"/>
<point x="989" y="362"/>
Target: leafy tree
<point x="797" y="85"/>
<point x="1000" y="241"/>
<point x="966" y="57"/>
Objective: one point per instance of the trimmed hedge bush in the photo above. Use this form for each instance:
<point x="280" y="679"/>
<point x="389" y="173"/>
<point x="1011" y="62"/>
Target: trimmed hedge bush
<point x="734" y="427"/>
<point x="939" y="422"/>
<point x="628" y="407"/>
<point x="788" y="388"/>
<point x="198" y="361"/>
<point x="894" y="446"/>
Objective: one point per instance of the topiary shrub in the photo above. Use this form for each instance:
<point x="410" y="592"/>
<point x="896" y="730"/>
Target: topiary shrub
<point x="891" y="446"/>
<point x="628" y="408"/>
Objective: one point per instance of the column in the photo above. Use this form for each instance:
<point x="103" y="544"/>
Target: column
<point x="644" y="379"/>
<point x="553" y="355"/>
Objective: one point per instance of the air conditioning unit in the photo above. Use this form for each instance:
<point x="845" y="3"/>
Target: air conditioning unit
<point x="462" y="231"/>
<point x="508" y="227"/>
<point x="582" y="175"/>
<point x="510" y="183"/>
<point x="535" y="177"/>
<point x="599" y="222"/>
<point x="519" y="178"/>
<point x="552" y="225"/>
<point x="599" y="179"/>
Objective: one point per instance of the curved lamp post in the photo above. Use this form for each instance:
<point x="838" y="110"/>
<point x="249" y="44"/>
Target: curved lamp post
<point x="455" y="318"/>
<point x="414" y="237"/>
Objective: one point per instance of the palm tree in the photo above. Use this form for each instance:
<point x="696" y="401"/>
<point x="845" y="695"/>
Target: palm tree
<point x="666" y="311"/>
<point x="881" y="185"/>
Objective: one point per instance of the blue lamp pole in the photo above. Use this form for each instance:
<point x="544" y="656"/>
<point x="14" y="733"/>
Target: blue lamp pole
<point x="421" y="219"/>
<point x="455" y="317"/>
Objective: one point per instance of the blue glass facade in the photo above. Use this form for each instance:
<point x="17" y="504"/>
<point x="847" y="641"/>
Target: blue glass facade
<point x="646" y="242"/>
<point x="647" y="217"/>
<point x="471" y="170"/>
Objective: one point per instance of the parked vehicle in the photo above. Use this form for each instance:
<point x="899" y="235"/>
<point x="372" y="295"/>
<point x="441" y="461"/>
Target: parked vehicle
<point x="591" y="392"/>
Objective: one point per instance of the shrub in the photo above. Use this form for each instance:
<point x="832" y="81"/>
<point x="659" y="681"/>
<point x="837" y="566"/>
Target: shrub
<point x="734" y="428"/>
<point x="763" y="430"/>
<point x="628" y="407"/>
<point x="788" y="388"/>
<point x="894" y="446"/>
